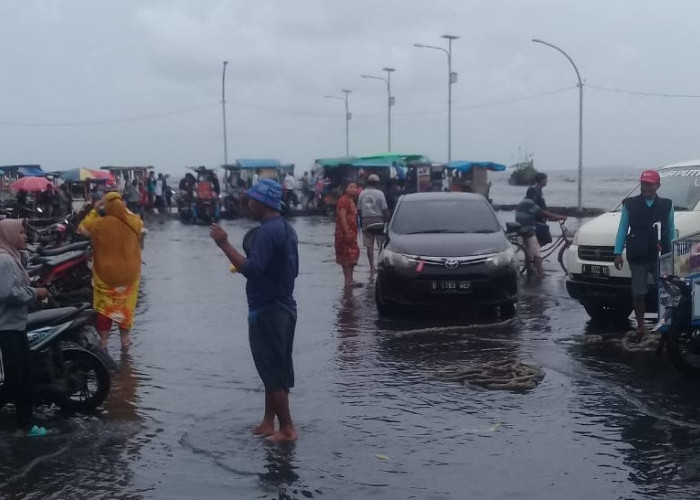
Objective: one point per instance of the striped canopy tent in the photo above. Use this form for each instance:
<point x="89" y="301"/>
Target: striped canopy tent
<point x="77" y="175"/>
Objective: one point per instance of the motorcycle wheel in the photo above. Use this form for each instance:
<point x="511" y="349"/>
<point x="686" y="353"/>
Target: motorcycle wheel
<point x="87" y="381"/>
<point x="683" y="347"/>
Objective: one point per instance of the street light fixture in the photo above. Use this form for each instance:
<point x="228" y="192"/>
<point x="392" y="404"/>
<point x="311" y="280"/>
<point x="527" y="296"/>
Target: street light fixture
<point x="348" y="117"/>
<point x="451" y="80"/>
<point x="223" y="107"/>
<point x="580" y="117"/>
<point x="390" y="99"/>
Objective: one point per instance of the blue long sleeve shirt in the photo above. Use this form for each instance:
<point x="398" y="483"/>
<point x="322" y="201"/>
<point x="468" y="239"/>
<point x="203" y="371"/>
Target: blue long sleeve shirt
<point x="272" y="265"/>
<point x="624" y="227"/>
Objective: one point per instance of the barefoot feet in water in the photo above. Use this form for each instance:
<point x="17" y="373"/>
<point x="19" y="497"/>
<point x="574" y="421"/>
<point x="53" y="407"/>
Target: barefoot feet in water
<point x="264" y="429"/>
<point x="283" y="436"/>
<point x="126" y="341"/>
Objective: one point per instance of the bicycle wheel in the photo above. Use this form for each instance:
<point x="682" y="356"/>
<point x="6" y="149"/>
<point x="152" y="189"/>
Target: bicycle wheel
<point x="560" y="258"/>
<point x="521" y="257"/>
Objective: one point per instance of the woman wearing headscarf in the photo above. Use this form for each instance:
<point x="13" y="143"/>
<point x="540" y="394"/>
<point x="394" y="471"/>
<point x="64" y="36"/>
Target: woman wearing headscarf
<point x="16" y="295"/>
<point x="116" y="272"/>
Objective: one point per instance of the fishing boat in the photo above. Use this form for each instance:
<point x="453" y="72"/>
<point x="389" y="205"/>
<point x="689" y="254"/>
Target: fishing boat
<point x="522" y="173"/>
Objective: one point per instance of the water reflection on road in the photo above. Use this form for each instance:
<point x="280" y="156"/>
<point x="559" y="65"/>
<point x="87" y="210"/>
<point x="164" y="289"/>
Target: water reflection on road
<point x="373" y="419"/>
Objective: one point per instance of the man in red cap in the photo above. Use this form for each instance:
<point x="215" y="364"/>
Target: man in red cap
<point x="640" y="216"/>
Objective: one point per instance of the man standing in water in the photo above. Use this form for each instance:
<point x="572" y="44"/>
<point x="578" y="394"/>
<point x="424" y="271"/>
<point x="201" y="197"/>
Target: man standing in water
<point x="640" y="214"/>
<point x="271" y="265"/>
<point x="373" y="207"/>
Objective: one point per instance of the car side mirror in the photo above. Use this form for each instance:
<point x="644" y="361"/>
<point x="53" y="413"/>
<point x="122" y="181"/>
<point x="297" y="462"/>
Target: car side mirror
<point x="513" y="227"/>
<point x="376" y="229"/>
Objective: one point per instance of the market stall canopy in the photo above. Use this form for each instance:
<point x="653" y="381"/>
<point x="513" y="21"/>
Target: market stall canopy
<point x="466" y="166"/>
<point x="393" y="160"/>
<point x="31" y="184"/>
<point x="254" y="163"/>
<point x="22" y="170"/>
<point x="335" y="162"/>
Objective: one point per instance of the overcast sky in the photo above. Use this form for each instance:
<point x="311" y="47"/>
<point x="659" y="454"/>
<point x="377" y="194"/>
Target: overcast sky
<point x="93" y="82"/>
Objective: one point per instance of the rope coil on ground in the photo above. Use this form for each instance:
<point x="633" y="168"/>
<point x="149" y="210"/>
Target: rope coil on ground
<point x="649" y="342"/>
<point x="508" y="375"/>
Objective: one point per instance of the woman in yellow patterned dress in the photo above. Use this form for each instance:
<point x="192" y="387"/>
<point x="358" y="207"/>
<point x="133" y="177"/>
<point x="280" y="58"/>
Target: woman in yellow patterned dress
<point x="116" y="272"/>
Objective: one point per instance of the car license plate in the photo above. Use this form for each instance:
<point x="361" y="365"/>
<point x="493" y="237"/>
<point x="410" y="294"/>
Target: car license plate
<point x="452" y="286"/>
<point x="595" y="271"/>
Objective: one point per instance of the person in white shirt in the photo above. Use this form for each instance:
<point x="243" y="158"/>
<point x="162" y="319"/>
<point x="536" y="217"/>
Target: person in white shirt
<point x="159" y="191"/>
<point x="256" y="177"/>
<point x="373" y="208"/>
<point x="290" y="185"/>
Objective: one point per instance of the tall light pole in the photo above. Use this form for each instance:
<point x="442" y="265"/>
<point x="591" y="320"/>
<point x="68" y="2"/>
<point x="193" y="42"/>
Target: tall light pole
<point x="223" y="107"/>
<point x="580" y="116"/>
<point x="348" y="117"/>
<point x="390" y="99"/>
<point x="451" y="80"/>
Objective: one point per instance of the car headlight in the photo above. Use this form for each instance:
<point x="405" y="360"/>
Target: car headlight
<point x="396" y="259"/>
<point x="502" y="258"/>
<point x="575" y="240"/>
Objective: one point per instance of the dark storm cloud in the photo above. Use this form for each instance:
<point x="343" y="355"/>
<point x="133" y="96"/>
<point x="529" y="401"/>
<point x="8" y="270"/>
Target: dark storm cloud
<point x="97" y="67"/>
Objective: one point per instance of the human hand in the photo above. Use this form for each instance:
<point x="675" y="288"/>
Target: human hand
<point x="618" y="262"/>
<point x="219" y="236"/>
<point x="41" y="293"/>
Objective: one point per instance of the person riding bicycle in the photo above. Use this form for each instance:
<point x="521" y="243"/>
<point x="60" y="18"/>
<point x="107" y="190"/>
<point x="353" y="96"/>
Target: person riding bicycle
<point x="534" y="192"/>
<point x="527" y="214"/>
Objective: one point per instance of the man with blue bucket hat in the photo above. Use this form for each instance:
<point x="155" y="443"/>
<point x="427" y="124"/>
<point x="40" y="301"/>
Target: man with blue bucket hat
<point x="271" y="265"/>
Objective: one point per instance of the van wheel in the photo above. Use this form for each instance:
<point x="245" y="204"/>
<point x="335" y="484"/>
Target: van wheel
<point x="600" y="312"/>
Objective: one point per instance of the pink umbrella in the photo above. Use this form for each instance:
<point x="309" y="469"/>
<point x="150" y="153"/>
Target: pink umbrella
<point x="103" y="174"/>
<point x="31" y="184"/>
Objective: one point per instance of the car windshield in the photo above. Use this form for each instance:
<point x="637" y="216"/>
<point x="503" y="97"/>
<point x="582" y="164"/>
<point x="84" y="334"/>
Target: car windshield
<point x="444" y="216"/>
<point x="681" y="185"/>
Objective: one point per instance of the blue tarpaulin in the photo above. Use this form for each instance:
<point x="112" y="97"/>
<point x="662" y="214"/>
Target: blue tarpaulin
<point x="24" y="170"/>
<point x="466" y="166"/>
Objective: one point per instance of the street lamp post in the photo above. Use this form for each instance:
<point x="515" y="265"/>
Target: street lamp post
<point x="223" y="107"/>
<point x="390" y="99"/>
<point x="451" y="80"/>
<point x="580" y="117"/>
<point x="348" y="117"/>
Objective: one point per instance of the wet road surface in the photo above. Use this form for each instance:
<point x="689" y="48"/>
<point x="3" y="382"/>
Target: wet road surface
<point x="373" y="420"/>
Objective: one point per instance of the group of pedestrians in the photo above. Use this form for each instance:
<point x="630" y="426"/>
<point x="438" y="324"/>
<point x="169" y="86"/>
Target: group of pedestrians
<point x="645" y="231"/>
<point x="269" y="261"/>
<point x="367" y="205"/>
<point x="146" y="196"/>
<point x="115" y="234"/>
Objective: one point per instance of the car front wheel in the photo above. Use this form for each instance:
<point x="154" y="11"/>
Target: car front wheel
<point x="384" y="307"/>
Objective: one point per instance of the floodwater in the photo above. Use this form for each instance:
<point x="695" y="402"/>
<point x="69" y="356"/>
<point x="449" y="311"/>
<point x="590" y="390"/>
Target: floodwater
<point x="373" y="420"/>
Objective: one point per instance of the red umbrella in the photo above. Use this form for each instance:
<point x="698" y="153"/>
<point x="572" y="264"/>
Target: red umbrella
<point x="31" y="184"/>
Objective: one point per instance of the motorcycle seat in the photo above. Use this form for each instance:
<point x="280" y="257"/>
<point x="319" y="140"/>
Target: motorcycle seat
<point x="50" y="317"/>
<point x="59" y="259"/>
<point x="50" y="252"/>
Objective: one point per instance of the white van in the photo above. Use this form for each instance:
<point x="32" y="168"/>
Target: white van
<point x="604" y="291"/>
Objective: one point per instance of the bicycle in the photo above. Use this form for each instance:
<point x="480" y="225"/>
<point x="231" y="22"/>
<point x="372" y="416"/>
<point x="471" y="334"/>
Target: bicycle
<point x="522" y="255"/>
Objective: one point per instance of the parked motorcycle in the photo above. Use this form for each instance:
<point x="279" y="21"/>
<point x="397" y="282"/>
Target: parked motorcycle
<point x="679" y="333"/>
<point x="71" y="368"/>
<point x="65" y="271"/>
